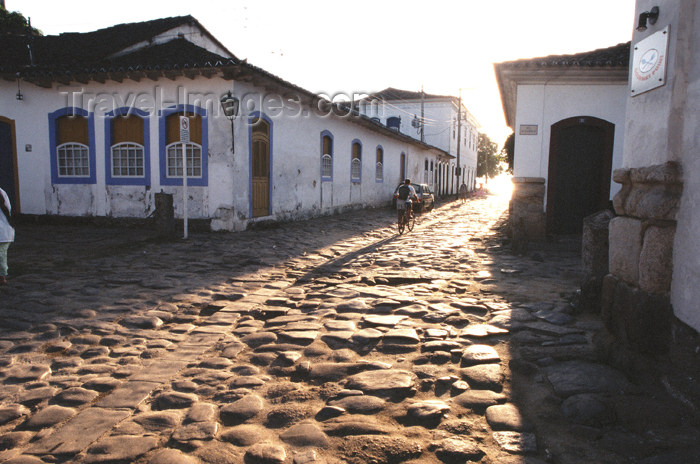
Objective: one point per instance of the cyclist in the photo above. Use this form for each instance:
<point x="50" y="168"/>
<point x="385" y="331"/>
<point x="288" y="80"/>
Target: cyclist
<point x="404" y="197"/>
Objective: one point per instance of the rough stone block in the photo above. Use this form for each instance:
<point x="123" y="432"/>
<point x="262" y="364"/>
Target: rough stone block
<point x="658" y="202"/>
<point x="625" y="247"/>
<point x="637" y="319"/>
<point x="621" y="176"/>
<point x="656" y="259"/>
<point x="594" y="243"/>
<point x="620" y="199"/>
<point x="668" y="173"/>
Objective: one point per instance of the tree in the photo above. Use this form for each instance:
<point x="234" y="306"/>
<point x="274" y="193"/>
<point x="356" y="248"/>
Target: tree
<point x="508" y="152"/>
<point x="488" y="159"/>
<point x="15" y="23"/>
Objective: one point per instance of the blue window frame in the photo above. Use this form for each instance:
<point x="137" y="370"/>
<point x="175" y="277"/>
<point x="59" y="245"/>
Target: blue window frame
<point x="72" y="161"/>
<point x="356" y="161"/>
<point x="326" y="156"/>
<point x="127" y="162"/>
<point x="198" y="154"/>
<point x="379" y="171"/>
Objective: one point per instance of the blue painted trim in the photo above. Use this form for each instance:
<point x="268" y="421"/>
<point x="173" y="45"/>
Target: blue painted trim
<point x="251" y="117"/>
<point x="332" y="153"/>
<point x="162" y="158"/>
<point x="53" y="137"/>
<point x="379" y="181"/>
<point x="355" y="181"/>
<point x="109" y="117"/>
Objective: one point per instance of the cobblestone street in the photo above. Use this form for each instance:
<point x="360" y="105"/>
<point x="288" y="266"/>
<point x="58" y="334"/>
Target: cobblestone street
<point x="332" y="340"/>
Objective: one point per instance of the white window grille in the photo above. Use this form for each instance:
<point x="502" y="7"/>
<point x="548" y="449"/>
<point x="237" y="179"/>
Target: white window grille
<point x="356" y="169"/>
<point x="73" y="160"/>
<point x="326" y="166"/>
<point x="128" y="160"/>
<point x="380" y="171"/>
<point x="174" y="160"/>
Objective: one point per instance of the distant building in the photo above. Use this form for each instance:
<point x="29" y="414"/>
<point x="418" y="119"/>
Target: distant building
<point x="90" y="126"/>
<point x="401" y="110"/>
<point x="568" y="114"/>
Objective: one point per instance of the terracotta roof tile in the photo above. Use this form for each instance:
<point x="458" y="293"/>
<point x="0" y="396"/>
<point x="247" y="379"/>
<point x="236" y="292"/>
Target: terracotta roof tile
<point x="618" y="55"/>
<point x="93" y="50"/>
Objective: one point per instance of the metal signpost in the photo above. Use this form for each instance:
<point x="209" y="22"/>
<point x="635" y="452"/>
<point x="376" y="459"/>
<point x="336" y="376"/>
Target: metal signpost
<point x="184" y="139"/>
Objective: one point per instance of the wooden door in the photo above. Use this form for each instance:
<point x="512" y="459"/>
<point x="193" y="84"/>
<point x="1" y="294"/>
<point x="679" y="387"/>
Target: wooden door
<point x="260" y="168"/>
<point x="580" y="164"/>
<point x="8" y="160"/>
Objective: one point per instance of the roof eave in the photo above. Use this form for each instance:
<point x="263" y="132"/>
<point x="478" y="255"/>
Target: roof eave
<point x="509" y="76"/>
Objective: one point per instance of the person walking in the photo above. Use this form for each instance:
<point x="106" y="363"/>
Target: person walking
<point x="7" y="233"/>
<point x="463" y="192"/>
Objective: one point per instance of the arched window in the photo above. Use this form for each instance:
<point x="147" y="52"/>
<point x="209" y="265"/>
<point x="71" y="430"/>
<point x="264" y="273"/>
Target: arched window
<point x="379" y="175"/>
<point x="193" y="148"/>
<point x="326" y="156"/>
<point x="425" y="173"/>
<point x="402" y="167"/>
<point x="72" y="148"/>
<point x="126" y="147"/>
<point x="196" y="149"/>
<point x="71" y="134"/>
<point x="356" y="162"/>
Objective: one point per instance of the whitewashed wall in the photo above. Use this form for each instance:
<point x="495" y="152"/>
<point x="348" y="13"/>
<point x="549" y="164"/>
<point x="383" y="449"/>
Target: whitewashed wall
<point x="662" y="125"/>
<point x="297" y="190"/>
<point x="545" y="105"/>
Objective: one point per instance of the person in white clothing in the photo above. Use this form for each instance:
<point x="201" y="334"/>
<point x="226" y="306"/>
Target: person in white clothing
<point x="7" y="233"/>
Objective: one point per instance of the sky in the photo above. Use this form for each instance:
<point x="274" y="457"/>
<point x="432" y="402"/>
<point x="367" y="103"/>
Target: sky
<point x="363" y="46"/>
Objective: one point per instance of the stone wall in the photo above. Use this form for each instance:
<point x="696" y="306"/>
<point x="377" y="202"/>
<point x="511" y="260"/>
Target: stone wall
<point x="636" y="302"/>
<point x="594" y="258"/>
<point x="527" y="217"/>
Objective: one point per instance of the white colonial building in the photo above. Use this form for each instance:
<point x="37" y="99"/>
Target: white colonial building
<point x="434" y="119"/>
<point x="90" y="126"/>
<point x="611" y="124"/>
<point x="568" y="114"/>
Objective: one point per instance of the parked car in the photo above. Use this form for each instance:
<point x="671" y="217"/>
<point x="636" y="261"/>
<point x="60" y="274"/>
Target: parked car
<point x="427" y="200"/>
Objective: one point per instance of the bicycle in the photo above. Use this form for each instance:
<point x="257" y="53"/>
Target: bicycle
<point x="407" y="220"/>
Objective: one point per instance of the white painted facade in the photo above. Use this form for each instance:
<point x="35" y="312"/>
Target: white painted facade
<point x="544" y="104"/>
<point x="440" y="115"/>
<point x="223" y="193"/>
<point x="296" y="187"/>
<point x="663" y="125"/>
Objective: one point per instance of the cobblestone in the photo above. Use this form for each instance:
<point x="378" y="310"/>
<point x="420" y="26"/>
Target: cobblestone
<point x="333" y="340"/>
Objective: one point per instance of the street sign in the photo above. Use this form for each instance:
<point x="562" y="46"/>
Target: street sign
<point x="184" y="129"/>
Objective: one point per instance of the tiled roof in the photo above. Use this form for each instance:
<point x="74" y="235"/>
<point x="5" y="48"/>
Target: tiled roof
<point x="88" y="56"/>
<point x="618" y="55"/>
<point x="391" y="93"/>
<point x="76" y="52"/>
<point x="604" y="65"/>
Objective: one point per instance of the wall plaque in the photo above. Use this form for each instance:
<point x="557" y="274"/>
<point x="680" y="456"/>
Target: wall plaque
<point x="528" y="129"/>
<point x="649" y="62"/>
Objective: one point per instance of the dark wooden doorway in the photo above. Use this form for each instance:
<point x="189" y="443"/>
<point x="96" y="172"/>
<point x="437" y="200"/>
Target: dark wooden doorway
<point x="580" y="163"/>
<point x="8" y="162"/>
<point x="260" y="167"/>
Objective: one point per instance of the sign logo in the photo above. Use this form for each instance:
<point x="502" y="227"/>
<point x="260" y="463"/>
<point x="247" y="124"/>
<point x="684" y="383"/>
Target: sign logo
<point x="648" y="61"/>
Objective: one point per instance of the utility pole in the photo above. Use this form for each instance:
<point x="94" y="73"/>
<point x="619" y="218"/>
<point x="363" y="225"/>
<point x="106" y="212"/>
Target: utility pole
<point x="422" y="114"/>
<point x="459" y="137"/>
